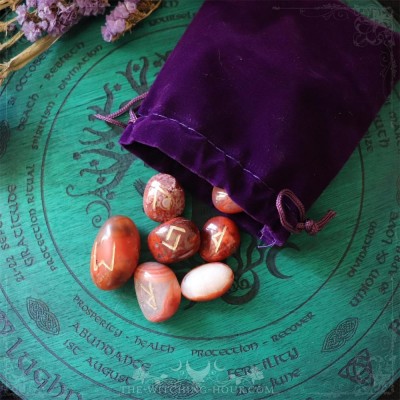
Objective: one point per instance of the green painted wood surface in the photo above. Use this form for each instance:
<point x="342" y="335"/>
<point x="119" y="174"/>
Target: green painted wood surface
<point x="317" y="319"/>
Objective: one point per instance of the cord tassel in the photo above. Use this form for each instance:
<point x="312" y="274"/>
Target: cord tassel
<point x="111" y="118"/>
<point x="308" y="225"/>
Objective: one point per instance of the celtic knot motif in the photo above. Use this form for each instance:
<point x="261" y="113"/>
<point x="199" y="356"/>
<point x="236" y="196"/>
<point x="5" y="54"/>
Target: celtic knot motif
<point x="341" y="334"/>
<point x="359" y="369"/>
<point x="6" y="327"/>
<point x="176" y="388"/>
<point x="44" y="319"/>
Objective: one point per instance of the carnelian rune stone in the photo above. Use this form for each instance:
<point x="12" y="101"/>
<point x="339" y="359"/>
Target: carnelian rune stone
<point x="115" y="253"/>
<point x="174" y="240"/>
<point x="207" y="282"/>
<point x="220" y="238"/>
<point x="157" y="291"/>
<point x="223" y="202"/>
<point x="163" y="198"/>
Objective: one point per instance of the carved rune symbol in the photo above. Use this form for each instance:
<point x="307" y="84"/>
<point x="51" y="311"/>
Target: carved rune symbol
<point x="177" y="238"/>
<point x="151" y="300"/>
<point x="102" y="262"/>
<point x="217" y="239"/>
<point x="157" y="188"/>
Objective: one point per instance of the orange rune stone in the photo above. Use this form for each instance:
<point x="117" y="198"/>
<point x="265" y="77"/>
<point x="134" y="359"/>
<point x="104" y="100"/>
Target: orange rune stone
<point x="163" y="198"/>
<point x="207" y="282"/>
<point x="220" y="238"/>
<point x="222" y="202"/>
<point x="115" y="253"/>
<point x="174" y="240"/>
<point x="157" y="291"/>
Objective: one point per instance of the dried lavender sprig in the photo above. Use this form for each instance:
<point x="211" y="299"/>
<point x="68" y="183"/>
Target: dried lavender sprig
<point x="116" y="21"/>
<point x="66" y="17"/>
<point x="92" y="7"/>
<point x="31" y="25"/>
<point x="125" y="16"/>
<point x="55" y="17"/>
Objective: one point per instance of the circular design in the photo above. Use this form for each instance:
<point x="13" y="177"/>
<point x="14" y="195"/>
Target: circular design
<point x="144" y="173"/>
<point x="59" y="332"/>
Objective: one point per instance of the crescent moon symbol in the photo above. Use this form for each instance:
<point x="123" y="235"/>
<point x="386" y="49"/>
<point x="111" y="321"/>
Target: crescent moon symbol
<point x="216" y="367"/>
<point x="271" y="260"/>
<point x="180" y="366"/>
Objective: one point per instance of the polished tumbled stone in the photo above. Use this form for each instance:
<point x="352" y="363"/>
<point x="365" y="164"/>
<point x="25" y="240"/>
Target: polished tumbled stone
<point x="220" y="238"/>
<point x="174" y="240"/>
<point x="163" y="198"/>
<point x="157" y="290"/>
<point x="115" y="253"/>
<point x="207" y="282"/>
<point x="223" y="202"/>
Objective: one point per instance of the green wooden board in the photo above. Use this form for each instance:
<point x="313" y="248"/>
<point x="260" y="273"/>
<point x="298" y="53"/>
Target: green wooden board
<point x="316" y="319"/>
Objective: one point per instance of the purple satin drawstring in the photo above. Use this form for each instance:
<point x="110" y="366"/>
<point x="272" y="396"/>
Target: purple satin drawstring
<point x="127" y="107"/>
<point x="304" y="224"/>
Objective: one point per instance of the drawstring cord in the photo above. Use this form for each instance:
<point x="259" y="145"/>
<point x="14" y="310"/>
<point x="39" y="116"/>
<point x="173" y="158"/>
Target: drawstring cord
<point x="127" y="107"/>
<point x="308" y="225"/>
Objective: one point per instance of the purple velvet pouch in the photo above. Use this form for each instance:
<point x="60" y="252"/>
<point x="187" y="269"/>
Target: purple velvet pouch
<point x="259" y="97"/>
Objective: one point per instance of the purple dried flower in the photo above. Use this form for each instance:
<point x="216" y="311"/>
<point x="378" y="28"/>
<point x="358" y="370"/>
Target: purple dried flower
<point x="31" y="26"/>
<point x="116" y="20"/>
<point x="45" y="13"/>
<point x="115" y="25"/>
<point x="44" y="25"/>
<point x="106" y="33"/>
<point x="67" y="16"/>
<point x="92" y="7"/>
<point x="31" y="3"/>
<point x="22" y="13"/>
<point x="55" y="17"/>
<point x="32" y="30"/>
<point x="131" y="5"/>
<point x="46" y="3"/>
<point x="120" y="12"/>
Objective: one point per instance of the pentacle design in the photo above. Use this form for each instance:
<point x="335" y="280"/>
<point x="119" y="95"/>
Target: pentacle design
<point x="359" y="369"/>
<point x="44" y="319"/>
<point x="176" y="388"/>
<point x="6" y="327"/>
<point x="340" y="335"/>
